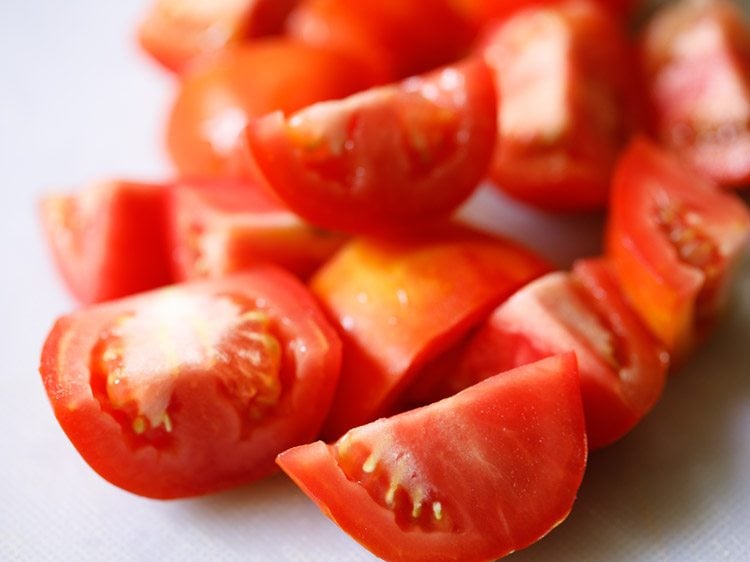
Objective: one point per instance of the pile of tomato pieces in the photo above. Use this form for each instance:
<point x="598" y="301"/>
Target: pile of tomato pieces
<point x="306" y="274"/>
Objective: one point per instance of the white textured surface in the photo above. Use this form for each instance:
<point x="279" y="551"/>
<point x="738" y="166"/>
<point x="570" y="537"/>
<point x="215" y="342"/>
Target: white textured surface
<point x="78" y="102"/>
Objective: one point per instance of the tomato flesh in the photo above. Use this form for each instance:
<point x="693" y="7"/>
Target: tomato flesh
<point x="109" y="240"/>
<point x="696" y="59"/>
<point x="224" y="227"/>
<point x="193" y="388"/>
<point x="216" y="99"/>
<point x="568" y="104"/>
<point x="673" y="239"/>
<point x="387" y="159"/>
<point x="400" y="303"/>
<point x="501" y="468"/>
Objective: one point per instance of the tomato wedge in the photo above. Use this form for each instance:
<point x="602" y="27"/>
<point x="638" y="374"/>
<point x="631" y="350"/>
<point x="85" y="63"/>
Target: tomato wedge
<point x="194" y="388"/>
<point x="696" y="60"/>
<point x="621" y="366"/>
<point x="383" y="159"/>
<point x="564" y="72"/>
<point x="399" y="303"/>
<point x="216" y="98"/>
<point x="109" y="240"/>
<point x="471" y="478"/>
<point x="220" y="227"/>
<point x="177" y="32"/>
<point x="674" y="239"/>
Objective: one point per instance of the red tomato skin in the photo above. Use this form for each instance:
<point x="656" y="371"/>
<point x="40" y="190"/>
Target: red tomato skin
<point x="176" y="34"/>
<point x="700" y="95"/>
<point x="542" y="467"/>
<point x="564" y="72"/>
<point x="216" y="98"/>
<point x="427" y="290"/>
<point x="108" y="240"/>
<point x="660" y="213"/>
<point x="221" y="227"/>
<point x="206" y="450"/>
<point x="397" y="38"/>
<point x="381" y="183"/>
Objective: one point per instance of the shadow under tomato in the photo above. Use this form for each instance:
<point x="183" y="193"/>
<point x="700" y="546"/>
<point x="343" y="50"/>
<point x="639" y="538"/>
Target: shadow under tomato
<point x="677" y="487"/>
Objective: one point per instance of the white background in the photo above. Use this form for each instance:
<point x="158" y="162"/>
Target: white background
<point x="79" y="102"/>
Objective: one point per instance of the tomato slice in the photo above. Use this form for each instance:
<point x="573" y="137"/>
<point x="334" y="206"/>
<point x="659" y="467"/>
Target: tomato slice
<point x="109" y="239"/>
<point x="218" y="97"/>
<point x="397" y="38"/>
<point x="399" y="303"/>
<point x="194" y="388"/>
<point x="383" y="159"/>
<point x="696" y="58"/>
<point x="564" y="73"/>
<point x="471" y="478"/>
<point x="177" y="32"/>
<point x="621" y="366"/>
<point x="220" y="227"/>
<point x="674" y="239"/>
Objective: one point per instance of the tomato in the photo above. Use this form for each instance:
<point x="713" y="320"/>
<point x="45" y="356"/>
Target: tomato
<point x="219" y="227"/>
<point x="397" y="38"/>
<point x="485" y="11"/>
<point x="470" y="478"/>
<point x="109" y="239"/>
<point x="696" y="59"/>
<point x="386" y="158"/>
<point x="674" y="239"/>
<point x="621" y="366"/>
<point x="216" y="98"/>
<point x="193" y="388"/>
<point x="564" y="74"/>
<point x="176" y="32"/>
<point x="400" y="302"/>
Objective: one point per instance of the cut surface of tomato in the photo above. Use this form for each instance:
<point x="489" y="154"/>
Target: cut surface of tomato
<point x="673" y="239"/>
<point x="193" y="388"/>
<point x="386" y="159"/>
<point x="177" y="32"/>
<point x="220" y="227"/>
<point x="471" y="478"/>
<point x="109" y="239"/>
<point x="696" y="60"/>
<point x="567" y="103"/>
<point x="400" y="303"/>
<point x="217" y="98"/>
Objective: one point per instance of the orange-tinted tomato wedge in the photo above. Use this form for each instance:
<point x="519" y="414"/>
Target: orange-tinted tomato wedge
<point x="109" y="240"/>
<point x="564" y="73"/>
<point x="218" y="97"/>
<point x="220" y="227"/>
<point x="177" y="32"/>
<point x="696" y="60"/>
<point x="471" y="478"/>
<point x="400" y="303"/>
<point x="193" y="388"/>
<point x="382" y="160"/>
<point x="673" y="239"/>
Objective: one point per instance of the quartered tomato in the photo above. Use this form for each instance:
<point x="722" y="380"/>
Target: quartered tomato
<point x="177" y="32"/>
<point x="386" y="158"/>
<point x="399" y="303"/>
<point x="673" y="238"/>
<point x="193" y="388"/>
<point x="471" y="478"/>
<point x="109" y="239"/>
<point x="621" y="366"/>
<point x="216" y="98"/>
<point x="564" y="74"/>
<point x="397" y="38"/>
<point x="219" y="227"/>
<point x="696" y="60"/>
